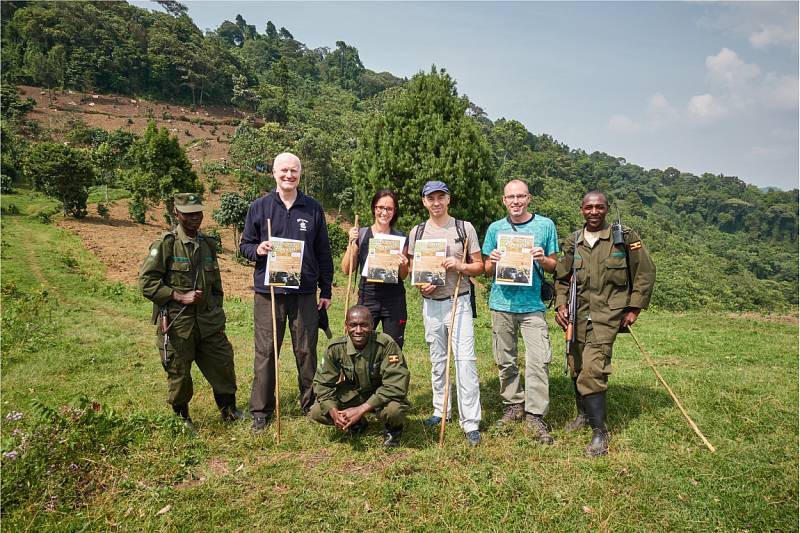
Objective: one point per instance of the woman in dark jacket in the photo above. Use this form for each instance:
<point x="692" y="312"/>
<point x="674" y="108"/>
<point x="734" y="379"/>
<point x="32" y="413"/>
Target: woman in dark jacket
<point x="386" y="301"/>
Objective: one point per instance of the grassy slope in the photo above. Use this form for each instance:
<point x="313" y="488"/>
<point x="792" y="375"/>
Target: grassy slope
<point x="737" y="376"/>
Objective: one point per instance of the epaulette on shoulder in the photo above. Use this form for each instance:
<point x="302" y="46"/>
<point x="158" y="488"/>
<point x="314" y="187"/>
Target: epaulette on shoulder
<point x="383" y="339"/>
<point x="338" y="340"/>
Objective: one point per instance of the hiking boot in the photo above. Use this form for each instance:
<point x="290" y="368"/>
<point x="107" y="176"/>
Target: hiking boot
<point x="359" y="428"/>
<point x="393" y="435"/>
<point x="473" y="438"/>
<point x="259" y="423"/>
<point x="596" y="413"/>
<point x="537" y="425"/>
<point x="433" y="421"/>
<point x="511" y="413"/>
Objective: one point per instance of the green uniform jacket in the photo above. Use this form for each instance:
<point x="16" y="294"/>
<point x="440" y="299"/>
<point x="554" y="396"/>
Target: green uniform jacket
<point x="174" y="261"/>
<point x="378" y="373"/>
<point x="603" y="290"/>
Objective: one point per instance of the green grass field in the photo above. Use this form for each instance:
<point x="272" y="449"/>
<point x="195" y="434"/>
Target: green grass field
<point x="70" y="338"/>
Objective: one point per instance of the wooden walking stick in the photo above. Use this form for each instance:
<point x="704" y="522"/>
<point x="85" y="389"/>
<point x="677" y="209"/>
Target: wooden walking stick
<point x="275" y="351"/>
<point x="449" y="350"/>
<point x="674" y="398"/>
<point x="349" y="281"/>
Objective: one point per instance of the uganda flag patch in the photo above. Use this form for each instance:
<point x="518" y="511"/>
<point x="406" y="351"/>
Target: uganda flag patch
<point x="394" y="359"/>
<point x="635" y="245"/>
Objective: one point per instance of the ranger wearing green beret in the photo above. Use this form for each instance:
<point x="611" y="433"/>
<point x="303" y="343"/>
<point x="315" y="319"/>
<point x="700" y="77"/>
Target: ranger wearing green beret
<point x="181" y="277"/>
<point x="361" y="372"/>
<point x="614" y="282"/>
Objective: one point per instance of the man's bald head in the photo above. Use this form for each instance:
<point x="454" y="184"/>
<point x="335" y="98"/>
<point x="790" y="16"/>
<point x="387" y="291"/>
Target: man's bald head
<point x="286" y="156"/>
<point x="358" y="310"/>
<point x="598" y="196"/>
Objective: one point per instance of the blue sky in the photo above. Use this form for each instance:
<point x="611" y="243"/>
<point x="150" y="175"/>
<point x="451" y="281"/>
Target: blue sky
<point x="703" y="87"/>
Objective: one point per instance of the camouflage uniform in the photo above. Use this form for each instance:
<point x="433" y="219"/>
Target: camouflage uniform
<point x="377" y="375"/>
<point x="177" y="262"/>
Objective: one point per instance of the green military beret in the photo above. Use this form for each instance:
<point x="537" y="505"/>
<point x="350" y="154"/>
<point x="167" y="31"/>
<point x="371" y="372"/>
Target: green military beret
<point x="188" y="202"/>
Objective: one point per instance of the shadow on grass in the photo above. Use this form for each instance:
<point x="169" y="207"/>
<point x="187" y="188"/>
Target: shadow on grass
<point x="625" y="402"/>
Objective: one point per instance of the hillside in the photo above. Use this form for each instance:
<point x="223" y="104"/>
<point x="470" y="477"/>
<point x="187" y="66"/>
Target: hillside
<point x="718" y="242"/>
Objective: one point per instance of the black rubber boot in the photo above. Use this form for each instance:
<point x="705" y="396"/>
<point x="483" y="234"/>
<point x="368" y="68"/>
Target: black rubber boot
<point x="393" y="435"/>
<point x="580" y="420"/>
<point x="227" y="407"/>
<point x="183" y="412"/>
<point x="595" y="405"/>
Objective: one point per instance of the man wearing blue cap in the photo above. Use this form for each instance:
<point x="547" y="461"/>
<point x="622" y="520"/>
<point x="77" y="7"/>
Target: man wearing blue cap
<point x="437" y="306"/>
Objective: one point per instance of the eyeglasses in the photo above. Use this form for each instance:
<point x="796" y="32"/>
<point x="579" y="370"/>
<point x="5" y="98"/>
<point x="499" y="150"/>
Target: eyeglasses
<point x="384" y="209"/>
<point x="511" y="197"/>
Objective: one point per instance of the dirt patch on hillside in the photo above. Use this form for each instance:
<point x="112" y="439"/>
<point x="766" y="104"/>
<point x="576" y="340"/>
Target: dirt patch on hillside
<point x="121" y="245"/>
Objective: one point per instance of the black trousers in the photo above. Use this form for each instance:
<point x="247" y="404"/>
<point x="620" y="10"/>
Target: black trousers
<point x="391" y="312"/>
<point x="300" y="311"/>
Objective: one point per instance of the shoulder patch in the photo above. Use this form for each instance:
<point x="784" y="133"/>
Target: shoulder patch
<point x="635" y="245"/>
<point x="394" y="359"/>
<point x="153" y="252"/>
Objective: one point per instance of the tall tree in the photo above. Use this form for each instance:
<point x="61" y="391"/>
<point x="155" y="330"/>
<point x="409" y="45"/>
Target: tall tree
<point x="424" y="134"/>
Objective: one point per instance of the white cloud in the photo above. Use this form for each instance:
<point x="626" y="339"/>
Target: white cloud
<point x="705" y="107"/>
<point x="659" y="111"/>
<point x="766" y="152"/>
<point x="774" y="36"/>
<point x="764" y="24"/>
<point x="781" y="91"/>
<point x="622" y="124"/>
<point x="728" y="68"/>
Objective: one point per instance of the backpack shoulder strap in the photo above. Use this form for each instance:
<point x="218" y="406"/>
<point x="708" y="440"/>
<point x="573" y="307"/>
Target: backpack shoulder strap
<point x="420" y="230"/>
<point x="362" y="234"/>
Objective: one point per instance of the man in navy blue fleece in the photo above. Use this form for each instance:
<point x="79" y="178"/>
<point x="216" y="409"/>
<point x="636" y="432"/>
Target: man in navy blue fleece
<point x="294" y="216"/>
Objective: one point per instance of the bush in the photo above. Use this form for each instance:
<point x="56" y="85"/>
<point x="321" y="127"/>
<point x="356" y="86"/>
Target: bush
<point x="215" y="236"/>
<point x="11" y="209"/>
<point x="5" y="184"/>
<point x="137" y="210"/>
<point x="213" y="183"/>
<point x="61" y="172"/>
<point x="338" y="238"/>
<point x="102" y="211"/>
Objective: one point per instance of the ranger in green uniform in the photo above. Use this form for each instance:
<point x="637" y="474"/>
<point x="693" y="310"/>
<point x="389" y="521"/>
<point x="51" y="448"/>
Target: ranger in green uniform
<point x="614" y="283"/>
<point x="362" y="372"/>
<point x="181" y="277"/>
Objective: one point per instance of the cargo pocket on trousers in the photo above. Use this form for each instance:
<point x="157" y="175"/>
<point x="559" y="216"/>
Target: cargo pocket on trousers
<point x="547" y="352"/>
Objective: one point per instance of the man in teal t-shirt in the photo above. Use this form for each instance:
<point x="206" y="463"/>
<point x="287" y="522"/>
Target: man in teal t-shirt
<point x="518" y="309"/>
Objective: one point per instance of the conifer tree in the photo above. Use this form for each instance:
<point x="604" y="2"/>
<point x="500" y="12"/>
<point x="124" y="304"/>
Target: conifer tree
<point x="425" y="134"/>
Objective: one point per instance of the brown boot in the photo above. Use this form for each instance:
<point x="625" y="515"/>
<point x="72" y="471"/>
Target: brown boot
<point x="514" y="412"/>
<point x="537" y="425"/>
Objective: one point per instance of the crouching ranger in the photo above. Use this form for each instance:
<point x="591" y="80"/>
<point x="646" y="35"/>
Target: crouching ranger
<point x="361" y="372"/>
<point x="181" y="277"/>
<point x="612" y="275"/>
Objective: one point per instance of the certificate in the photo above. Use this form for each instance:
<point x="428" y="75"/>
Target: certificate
<point x="516" y="262"/>
<point x="428" y="257"/>
<point x="383" y="259"/>
<point x="284" y="263"/>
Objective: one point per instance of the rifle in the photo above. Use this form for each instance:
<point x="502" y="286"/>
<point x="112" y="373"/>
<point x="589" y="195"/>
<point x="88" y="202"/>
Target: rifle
<point x="572" y="308"/>
<point x="165" y="324"/>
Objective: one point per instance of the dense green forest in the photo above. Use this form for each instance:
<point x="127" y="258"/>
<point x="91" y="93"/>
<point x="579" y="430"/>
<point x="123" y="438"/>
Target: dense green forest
<point x="717" y="241"/>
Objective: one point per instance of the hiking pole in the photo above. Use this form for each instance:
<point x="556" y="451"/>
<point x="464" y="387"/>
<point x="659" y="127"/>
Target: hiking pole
<point x="449" y="350"/>
<point x="275" y="351"/>
<point x="349" y="282"/>
<point x="674" y="398"/>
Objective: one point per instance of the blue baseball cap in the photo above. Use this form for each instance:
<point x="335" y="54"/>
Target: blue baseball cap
<point x="434" y="186"/>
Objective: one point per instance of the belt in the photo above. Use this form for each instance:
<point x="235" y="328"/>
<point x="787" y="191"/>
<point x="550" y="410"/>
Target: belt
<point x="445" y="298"/>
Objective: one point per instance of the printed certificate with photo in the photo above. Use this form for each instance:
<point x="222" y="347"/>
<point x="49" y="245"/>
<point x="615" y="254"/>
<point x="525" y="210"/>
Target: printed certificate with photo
<point x="284" y="263"/>
<point x="428" y="257"/>
<point x="383" y="259"/>
<point x="516" y="264"/>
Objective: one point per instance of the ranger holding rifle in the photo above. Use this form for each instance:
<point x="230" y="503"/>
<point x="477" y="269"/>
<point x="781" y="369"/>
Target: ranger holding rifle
<point x="181" y="277"/>
<point x="603" y="280"/>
